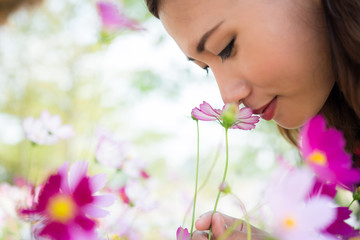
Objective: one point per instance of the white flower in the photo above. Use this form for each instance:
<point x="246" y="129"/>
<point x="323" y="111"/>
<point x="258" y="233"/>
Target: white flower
<point x="46" y="130"/>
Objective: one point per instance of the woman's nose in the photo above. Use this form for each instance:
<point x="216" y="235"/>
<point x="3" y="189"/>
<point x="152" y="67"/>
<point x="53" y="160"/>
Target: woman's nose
<point x="233" y="90"/>
<point x="232" y="84"/>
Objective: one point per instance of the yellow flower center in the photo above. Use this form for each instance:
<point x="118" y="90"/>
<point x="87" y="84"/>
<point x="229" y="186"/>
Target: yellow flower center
<point x="289" y="222"/>
<point x="117" y="237"/>
<point x="318" y="157"/>
<point x="61" y="208"/>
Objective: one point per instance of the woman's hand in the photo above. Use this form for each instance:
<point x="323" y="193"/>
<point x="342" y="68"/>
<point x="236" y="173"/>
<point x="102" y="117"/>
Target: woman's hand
<point x="220" y="223"/>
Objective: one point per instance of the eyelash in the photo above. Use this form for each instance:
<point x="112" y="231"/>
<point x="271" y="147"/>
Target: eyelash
<point x="206" y="68"/>
<point x="226" y="52"/>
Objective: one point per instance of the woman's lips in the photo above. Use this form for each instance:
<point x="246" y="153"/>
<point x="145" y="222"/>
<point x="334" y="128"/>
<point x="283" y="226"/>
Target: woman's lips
<point x="267" y="111"/>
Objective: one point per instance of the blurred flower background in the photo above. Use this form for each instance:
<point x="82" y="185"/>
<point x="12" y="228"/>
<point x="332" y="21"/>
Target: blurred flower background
<point x="127" y="91"/>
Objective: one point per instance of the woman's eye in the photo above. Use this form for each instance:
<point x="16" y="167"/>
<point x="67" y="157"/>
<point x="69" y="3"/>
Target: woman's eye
<point x="226" y="52"/>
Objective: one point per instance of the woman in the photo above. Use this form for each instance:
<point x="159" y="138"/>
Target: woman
<point x="286" y="60"/>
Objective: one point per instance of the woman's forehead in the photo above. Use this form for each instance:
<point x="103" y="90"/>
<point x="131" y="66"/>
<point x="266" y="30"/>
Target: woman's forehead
<point x="187" y="20"/>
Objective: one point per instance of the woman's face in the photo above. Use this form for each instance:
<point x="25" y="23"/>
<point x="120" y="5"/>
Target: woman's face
<point x="271" y="55"/>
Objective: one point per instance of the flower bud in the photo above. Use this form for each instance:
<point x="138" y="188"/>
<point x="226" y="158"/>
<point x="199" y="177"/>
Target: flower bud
<point x="225" y="188"/>
<point x="229" y="115"/>
<point x="192" y="116"/>
<point x="356" y="194"/>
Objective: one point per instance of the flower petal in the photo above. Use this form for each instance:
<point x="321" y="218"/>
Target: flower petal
<point x="94" y="211"/>
<point x="56" y="230"/>
<point x="104" y="200"/>
<point x="199" y="115"/>
<point x="339" y="226"/>
<point x="207" y="109"/>
<point x="319" y="213"/>
<point x="97" y="182"/>
<point x="63" y="172"/>
<point x="51" y="188"/>
<point x="82" y="194"/>
<point x="244" y="112"/>
<point x="182" y="234"/>
<point x="86" y="223"/>
<point x="77" y="172"/>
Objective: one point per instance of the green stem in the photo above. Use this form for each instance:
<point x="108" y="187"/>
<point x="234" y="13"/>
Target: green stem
<point x="204" y="182"/>
<point x="247" y="220"/>
<point x="351" y="203"/>
<point x="197" y="177"/>
<point x="231" y="229"/>
<point x="224" y="177"/>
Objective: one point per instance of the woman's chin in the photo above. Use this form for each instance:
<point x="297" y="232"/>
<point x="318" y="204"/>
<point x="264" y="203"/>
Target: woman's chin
<point x="289" y="124"/>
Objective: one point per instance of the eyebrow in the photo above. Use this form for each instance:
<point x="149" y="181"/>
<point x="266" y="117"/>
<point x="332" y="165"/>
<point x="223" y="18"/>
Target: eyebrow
<point x="201" y="45"/>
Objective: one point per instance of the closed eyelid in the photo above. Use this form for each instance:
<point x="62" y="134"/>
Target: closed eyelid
<point x="227" y="51"/>
<point x="201" y="45"/>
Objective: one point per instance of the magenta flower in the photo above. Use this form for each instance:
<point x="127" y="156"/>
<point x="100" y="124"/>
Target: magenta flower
<point x="46" y="130"/>
<point x="230" y="116"/>
<point x="182" y="234"/>
<point x="66" y="204"/>
<point x="323" y="150"/>
<point x="320" y="188"/>
<point x="339" y="227"/>
<point x="113" y="20"/>
<point x="123" y="195"/>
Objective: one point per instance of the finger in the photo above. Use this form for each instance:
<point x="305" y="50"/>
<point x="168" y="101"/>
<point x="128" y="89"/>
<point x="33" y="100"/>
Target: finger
<point x="203" y="222"/>
<point x="241" y="225"/>
<point x="199" y="235"/>
<point x="218" y="224"/>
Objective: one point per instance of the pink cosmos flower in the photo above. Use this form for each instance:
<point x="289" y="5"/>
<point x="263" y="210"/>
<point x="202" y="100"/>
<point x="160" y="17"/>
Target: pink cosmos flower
<point x="182" y="234"/>
<point x="67" y="202"/>
<point x="230" y="116"/>
<point x="111" y="151"/>
<point x="339" y="227"/>
<point x="113" y="20"/>
<point x="294" y="217"/>
<point x="135" y="168"/>
<point x="124" y="197"/>
<point x="137" y="194"/>
<point x="46" y="130"/>
<point x="323" y="150"/>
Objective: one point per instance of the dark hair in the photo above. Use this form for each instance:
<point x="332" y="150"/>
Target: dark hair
<point x="153" y="6"/>
<point x="342" y="108"/>
<point x="9" y="6"/>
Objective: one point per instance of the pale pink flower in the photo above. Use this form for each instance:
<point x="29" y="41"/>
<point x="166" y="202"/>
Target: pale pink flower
<point x="230" y="116"/>
<point x="294" y="215"/>
<point x="135" y="168"/>
<point x="111" y="151"/>
<point x="113" y="19"/>
<point x="46" y="130"/>
<point x="137" y="194"/>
